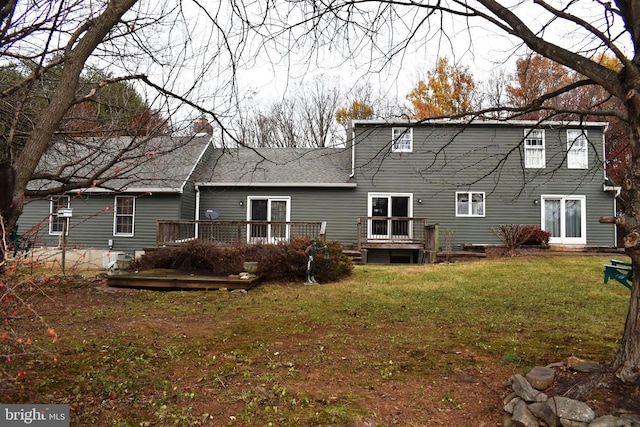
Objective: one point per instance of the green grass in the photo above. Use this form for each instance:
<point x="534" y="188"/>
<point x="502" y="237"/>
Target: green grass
<point x="328" y="354"/>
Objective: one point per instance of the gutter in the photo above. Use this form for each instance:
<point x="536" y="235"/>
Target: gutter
<point x="279" y="184"/>
<point x="616" y="189"/>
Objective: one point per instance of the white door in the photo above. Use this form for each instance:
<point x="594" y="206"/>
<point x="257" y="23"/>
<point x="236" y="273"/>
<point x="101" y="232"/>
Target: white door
<point x="564" y="218"/>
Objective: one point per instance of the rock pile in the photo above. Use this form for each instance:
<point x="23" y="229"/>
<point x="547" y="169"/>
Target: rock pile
<point x="529" y="406"/>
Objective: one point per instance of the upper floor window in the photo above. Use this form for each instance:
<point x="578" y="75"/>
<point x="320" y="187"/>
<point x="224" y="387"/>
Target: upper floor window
<point x="402" y="140"/>
<point x="534" y="155"/>
<point x="469" y="203"/>
<point x="123" y="215"/>
<point x="577" y="149"/>
<point x="58" y="224"/>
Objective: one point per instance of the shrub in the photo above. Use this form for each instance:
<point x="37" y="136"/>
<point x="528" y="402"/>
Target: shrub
<point x="511" y="236"/>
<point x="534" y="235"/>
<point x="281" y="262"/>
<point x="23" y="332"/>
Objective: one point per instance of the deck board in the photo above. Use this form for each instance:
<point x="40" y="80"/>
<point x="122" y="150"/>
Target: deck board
<point x="179" y="281"/>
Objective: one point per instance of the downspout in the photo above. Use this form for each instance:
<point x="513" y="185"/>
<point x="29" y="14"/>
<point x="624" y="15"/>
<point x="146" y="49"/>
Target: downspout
<point x="197" y="215"/>
<point x="353" y="149"/>
<point x="615" y="189"/>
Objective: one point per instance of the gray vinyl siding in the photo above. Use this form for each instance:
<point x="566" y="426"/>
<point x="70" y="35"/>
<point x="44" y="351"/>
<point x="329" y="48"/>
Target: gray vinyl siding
<point x="187" y="206"/>
<point x="481" y="158"/>
<point x="339" y="207"/>
<point x="91" y="226"/>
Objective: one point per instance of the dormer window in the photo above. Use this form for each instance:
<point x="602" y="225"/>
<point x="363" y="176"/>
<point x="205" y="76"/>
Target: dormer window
<point x="534" y="153"/>
<point x="402" y="141"/>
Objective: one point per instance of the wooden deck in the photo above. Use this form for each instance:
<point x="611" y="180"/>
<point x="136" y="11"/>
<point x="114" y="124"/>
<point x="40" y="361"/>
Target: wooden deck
<point x="167" y="281"/>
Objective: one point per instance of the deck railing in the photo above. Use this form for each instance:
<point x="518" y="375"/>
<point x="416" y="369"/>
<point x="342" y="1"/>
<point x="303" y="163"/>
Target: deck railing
<point x="170" y="232"/>
<point x="399" y="230"/>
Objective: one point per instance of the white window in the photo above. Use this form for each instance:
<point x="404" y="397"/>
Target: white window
<point x="58" y="224"/>
<point x="534" y="155"/>
<point x="577" y="149"/>
<point x="469" y="203"/>
<point x="124" y="215"/>
<point x="390" y="216"/>
<point x="402" y="141"/>
<point x="275" y="212"/>
<point x="565" y="218"/>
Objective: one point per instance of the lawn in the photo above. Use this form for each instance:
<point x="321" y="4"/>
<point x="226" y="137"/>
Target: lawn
<point x="421" y="345"/>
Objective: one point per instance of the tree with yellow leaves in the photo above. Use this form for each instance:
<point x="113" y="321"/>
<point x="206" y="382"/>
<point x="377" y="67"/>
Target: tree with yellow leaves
<point x="357" y="110"/>
<point x="449" y="90"/>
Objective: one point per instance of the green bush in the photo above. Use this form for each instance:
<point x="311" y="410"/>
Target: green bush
<point x="281" y="262"/>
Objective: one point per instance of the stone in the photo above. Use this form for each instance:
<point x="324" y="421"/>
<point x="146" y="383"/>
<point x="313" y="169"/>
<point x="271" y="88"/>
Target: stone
<point x="613" y="421"/>
<point x="573" y="361"/>
<point x="524" y="390"/>
<point x="587" y="367"/>
<point x="509" y="397"/>
<point x="507" y="421"/>
<point x="571" y="423"/>
<point x="543" y="412"/>
<point x="510" y="405"/>
<point x="522" y="417"/>
<point x="570" y="409"/>
<point x="540" y="377"/>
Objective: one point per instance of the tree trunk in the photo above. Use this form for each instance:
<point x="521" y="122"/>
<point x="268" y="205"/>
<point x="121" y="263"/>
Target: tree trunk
<point x="75" y="57"/>
<point x="626" y="363"/>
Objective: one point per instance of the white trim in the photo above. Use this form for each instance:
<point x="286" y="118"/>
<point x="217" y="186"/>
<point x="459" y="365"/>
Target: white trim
<point x="52" y="215"/>
<point x="278" y="184"/>
<point x="115" y="216"/>
<point x="269" y="238"/>
<point x="138" y="190"/>
<point x="401" y="135"/>
<point x="197" y="162"/>
<point x="470" y="204"/>
<point x="389" y="233"/>
<point x="518" y="123"/>
<point x="577" y="155"/>
<point x="534" y="134"/>
<point x="562" y="239"/>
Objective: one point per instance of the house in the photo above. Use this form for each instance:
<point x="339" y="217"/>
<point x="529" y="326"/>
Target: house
<point x="396" y="177"/>
<point x="470" y="177"/>
<point x="381" y="193"/>
<point x="152" y="180"/>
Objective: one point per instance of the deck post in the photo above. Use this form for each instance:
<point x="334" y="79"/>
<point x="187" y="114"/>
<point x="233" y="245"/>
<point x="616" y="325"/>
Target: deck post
<point x="431" y="236"/>
<point x="323" y="231"/>
<point x="359" y="235"/>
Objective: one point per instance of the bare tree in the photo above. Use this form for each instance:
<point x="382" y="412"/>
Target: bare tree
<point x="304" y="119"/>
<point x="123" y="46"/>
<point x="150" y="42"/>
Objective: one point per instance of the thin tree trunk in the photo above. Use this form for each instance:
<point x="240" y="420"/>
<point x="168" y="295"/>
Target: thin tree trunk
<point x="626" y="363"/>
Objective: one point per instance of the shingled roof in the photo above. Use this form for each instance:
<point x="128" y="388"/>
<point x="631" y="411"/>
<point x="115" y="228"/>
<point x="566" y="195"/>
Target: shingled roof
<point x="282" y="167"/>
<point x="160" y="164"/>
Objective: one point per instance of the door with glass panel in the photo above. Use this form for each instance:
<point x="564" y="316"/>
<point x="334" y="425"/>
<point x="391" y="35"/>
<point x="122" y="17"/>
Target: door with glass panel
<point x="275" y="215"/>
<point x="564" y="218"/>
<point x="387" y="213"/>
